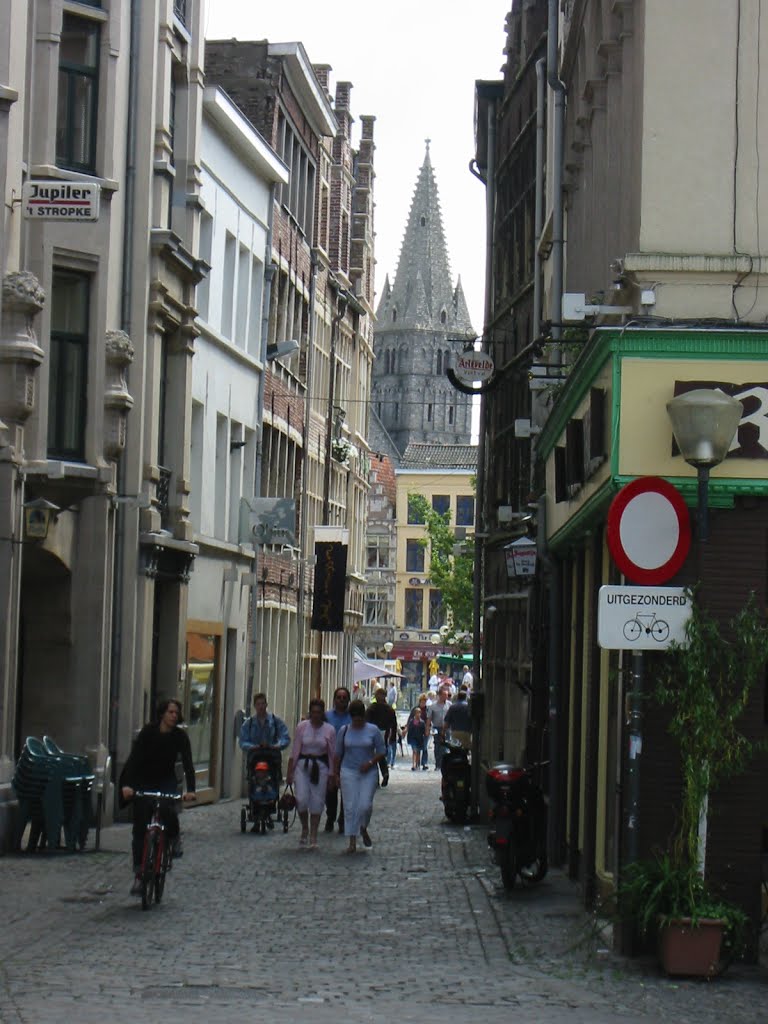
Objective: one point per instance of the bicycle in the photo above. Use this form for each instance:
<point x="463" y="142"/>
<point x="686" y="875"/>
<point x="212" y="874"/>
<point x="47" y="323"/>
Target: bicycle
<point x="646" y="623"/>
<point x="157" y="856"/>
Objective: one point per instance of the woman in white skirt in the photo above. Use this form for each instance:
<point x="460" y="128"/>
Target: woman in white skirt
<point x="359" y="748"/>
<point x="310" y="768"/>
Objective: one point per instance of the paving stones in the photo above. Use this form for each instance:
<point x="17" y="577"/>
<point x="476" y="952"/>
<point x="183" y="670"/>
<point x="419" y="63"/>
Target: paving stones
<point x="253" y="926"/>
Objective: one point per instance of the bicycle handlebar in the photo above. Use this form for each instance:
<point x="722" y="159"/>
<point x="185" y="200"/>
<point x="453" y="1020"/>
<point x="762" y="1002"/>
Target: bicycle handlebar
<point x="153" y="795"/>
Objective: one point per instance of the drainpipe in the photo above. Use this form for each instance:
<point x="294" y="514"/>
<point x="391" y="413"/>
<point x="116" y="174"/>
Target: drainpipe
<point x="477" y="579"/>
<point x="558" y="129"/>
<point x="269" y="273"/>
<point x="554" y="669"/>
<point x="303" y="484"/>
<point x="538" y="212"/>
<point x="125" y="319"/>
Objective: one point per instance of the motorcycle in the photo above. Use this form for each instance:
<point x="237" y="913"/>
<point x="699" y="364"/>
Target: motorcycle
<point x="518" y="836"/>
<point x="455" y="780"/>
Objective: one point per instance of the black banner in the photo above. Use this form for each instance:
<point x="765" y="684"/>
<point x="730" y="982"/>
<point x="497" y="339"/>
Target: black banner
<point x="330" y="587"/>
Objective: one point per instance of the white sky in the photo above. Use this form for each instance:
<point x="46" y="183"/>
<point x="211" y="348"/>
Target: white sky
<point x="413" y="65"/>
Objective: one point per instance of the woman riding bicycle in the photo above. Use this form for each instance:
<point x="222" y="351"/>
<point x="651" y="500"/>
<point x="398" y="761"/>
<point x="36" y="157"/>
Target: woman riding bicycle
<point x="151" y="765"/>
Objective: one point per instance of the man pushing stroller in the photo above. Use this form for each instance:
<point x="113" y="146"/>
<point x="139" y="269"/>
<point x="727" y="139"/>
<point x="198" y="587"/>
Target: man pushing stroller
<point x="263" y="737"/>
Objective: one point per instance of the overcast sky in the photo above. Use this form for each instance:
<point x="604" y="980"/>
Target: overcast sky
<point x="413" y="65"/>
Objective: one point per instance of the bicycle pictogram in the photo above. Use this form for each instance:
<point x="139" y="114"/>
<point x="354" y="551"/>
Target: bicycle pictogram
<point x="646" y="623"/>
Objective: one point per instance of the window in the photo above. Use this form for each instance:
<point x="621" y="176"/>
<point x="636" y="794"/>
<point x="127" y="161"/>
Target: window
<point x="414" y="519"/>
<point x="78" y="94"/>
<point x="465" y="510"/>
<point x="414" y="556"/>
<point x="70" y="308"/>
<point x="378" y="552"/>
<point x="375" y="607"/>
<point x="298" y="196"/>
<point x="441" y="503"/>
<point x="436" y="617"/>
<point x="414" y="607"/>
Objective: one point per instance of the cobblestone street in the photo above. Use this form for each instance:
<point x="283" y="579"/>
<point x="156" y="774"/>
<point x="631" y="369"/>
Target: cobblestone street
<point x="251" y="927"/>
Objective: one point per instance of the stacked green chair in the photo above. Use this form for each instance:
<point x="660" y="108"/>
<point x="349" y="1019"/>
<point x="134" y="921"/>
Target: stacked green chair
<point x="53" y="789"/>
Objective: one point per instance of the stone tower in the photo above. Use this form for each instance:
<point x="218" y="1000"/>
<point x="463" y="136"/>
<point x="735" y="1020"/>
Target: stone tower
<point x="422" y="323"/>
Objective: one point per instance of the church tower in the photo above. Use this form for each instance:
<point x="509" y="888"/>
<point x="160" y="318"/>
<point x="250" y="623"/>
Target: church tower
<point x="422" y="324"/>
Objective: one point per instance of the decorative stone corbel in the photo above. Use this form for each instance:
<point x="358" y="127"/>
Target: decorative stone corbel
<point x="20" y="355"/>
<point x="117" y="399"/>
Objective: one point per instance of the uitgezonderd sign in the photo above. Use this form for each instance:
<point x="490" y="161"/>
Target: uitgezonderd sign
<point x="61" y="200"/>
<point x="472" y="367"/>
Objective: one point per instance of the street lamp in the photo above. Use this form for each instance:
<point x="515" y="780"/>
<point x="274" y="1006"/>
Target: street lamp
<point x="388" y="647"/>
<point x="704" y="423"/>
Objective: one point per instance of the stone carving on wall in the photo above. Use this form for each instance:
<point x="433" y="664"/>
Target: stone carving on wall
<point x="117" y="399"/>
<point x="20" y="354"/>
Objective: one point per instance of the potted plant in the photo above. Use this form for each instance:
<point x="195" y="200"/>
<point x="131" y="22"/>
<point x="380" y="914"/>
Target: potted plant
<point x="341" y="450"/>
<point x="705" y="684"/>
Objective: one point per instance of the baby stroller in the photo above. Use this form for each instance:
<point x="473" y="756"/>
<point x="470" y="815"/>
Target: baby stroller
<point x="263" y="775"/>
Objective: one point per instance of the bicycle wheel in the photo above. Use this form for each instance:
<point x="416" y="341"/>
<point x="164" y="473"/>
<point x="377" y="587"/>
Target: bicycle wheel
<point x="660" y="630"/>
<point x="161" y="867"/>
<point x="148" y="870"/>
<point x="632" y="630"/>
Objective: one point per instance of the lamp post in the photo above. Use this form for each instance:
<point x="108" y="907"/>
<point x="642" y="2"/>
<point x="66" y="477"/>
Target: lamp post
<point x="704" y="423"/>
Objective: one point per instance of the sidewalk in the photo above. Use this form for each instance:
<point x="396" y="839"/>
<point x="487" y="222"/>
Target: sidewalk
<point x="251" y="925"/>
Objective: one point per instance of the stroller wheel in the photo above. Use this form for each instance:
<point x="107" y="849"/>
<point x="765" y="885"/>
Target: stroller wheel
<point x="243" y="819"/>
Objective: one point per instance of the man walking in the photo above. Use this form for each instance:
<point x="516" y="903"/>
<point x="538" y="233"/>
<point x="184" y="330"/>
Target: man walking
<point x="436" y="721"/>
<point x="385" y="720"/>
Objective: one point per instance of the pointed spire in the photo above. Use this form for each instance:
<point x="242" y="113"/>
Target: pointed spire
<point x="460" y="310"/>
<point x="422" y="293"/>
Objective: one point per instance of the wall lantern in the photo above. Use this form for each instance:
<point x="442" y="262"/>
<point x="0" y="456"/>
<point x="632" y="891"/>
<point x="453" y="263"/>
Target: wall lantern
<point x="704" y="423"/>
<point x="521" y="558"/>
<point x="38" y="515"/>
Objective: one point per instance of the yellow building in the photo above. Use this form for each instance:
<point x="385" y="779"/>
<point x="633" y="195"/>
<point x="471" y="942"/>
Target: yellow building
<point x="444" y="475"/>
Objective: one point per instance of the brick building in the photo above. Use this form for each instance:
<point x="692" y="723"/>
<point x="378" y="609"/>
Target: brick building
<point x="314" y="445"/>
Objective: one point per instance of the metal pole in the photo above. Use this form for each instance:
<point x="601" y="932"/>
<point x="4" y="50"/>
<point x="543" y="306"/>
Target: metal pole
<point x="702" y="510"/>
<point x="634" y="751"/>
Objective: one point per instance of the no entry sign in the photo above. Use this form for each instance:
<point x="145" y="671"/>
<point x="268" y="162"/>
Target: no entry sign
<point x="649" y="530"/>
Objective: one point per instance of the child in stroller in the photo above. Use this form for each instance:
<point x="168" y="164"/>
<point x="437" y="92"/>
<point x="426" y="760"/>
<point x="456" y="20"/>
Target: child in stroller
<point x="262" y="793"/>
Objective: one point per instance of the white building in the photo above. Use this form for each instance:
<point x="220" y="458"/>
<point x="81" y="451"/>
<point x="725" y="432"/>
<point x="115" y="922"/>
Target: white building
<point x="239" y="174"/>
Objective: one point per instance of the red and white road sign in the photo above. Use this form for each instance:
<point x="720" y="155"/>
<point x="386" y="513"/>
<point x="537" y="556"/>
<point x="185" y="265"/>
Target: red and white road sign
<point x="649" y="530"/>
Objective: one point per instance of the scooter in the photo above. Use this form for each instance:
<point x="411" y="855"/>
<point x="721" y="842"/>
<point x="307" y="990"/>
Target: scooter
<point x="518" y="836"/>
<point x="456" y="780"/>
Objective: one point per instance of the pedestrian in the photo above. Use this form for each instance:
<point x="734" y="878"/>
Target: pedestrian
<point x="385" y="719"/>
<point x="263" y="737"/>
<point x="417" y="735"/>
<point x="423" y="707"/>
<point x="359" y="748"/>
<point x="151" y="766"/>
<point x="436" y="719"/>
<point x="309" y="767"/>
<point x="338" y="716"/>
<point x="468" y="680"/>
<point x="392" y="694"/>
<point x="458" y="720"/>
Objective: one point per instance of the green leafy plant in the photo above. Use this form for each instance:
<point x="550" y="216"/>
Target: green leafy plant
<point x="705" y="684"/>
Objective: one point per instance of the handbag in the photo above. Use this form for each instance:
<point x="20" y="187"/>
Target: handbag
<point x="287" y="801"/>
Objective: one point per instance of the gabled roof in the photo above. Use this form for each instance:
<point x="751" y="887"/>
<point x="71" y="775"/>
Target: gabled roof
<point x="422" y="295"/>
<point x="421" y="456"/>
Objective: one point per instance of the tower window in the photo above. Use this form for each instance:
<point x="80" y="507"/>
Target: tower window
<point x="442" y="317"/>
<point x="423" y="221"/>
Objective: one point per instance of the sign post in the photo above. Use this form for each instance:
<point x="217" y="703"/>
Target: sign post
<point x="649" y="536"/>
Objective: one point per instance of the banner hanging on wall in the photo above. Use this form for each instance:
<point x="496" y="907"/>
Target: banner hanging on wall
<point x="330" y="587"/>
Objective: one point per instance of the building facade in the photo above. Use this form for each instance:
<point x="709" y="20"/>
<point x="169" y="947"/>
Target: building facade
<point x="100" y="113"/>
<point x="443" y="474"/>
<point x="650" y="224"/>
<point x="314" y="447"/>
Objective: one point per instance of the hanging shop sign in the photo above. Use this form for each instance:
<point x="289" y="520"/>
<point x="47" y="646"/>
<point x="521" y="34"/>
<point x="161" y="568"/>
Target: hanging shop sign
<point x="268" y="521"/>
<point x="521" y="558"/>
<point x="473" y="367"/>
<point x="61" y="200"/>
<point x="330" y="587"/>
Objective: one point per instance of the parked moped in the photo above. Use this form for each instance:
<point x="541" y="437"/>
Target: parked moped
<point x="455" y="780"/>
<point x="518" y="836"/>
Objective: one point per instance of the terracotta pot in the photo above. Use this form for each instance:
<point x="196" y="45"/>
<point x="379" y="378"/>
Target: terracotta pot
<point x="692" y="950"/>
